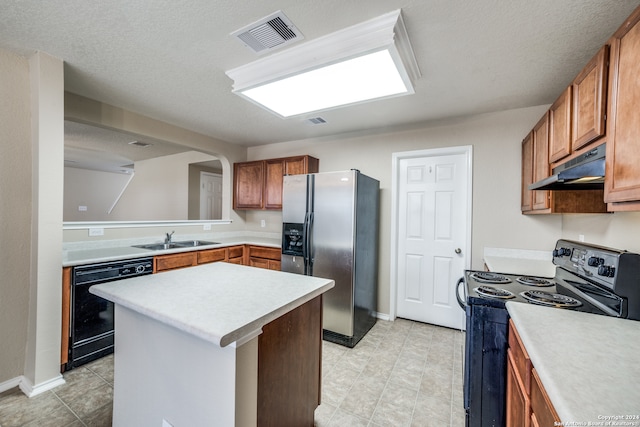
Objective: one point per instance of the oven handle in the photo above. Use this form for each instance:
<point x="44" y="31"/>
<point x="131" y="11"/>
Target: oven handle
<point x="462" y="304"/>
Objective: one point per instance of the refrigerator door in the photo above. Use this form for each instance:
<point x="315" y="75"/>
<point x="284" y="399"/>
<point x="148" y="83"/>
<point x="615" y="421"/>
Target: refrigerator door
<point x="295" y="201"/>
<point x="332" y="246"/>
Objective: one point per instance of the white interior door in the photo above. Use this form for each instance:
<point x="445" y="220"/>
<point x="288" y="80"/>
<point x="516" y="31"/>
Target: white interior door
<point x="210" y="195"/>
<point x="433" y="235"/>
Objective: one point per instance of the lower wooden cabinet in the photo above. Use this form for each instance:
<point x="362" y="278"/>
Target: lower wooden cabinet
<point x="527" y="402"/>
<point x="174" y="261"/>
<point x="263" y="257"/>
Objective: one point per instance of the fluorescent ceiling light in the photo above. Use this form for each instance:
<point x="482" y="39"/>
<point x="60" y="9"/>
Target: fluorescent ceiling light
<point x="372" y="60"/>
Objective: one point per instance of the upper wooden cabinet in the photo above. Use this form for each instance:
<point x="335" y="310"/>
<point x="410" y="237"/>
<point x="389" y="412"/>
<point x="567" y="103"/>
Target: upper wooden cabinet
<point x="258" y="184"/>
<point x="622" y="180"/>
<point x="560" y="127"/>
<point x="541" y="160"/>
<point x="527" y="172"/>
<point x="589" y="101"/>
<point x="535" y="166"/>
<point x="248" y="181"/>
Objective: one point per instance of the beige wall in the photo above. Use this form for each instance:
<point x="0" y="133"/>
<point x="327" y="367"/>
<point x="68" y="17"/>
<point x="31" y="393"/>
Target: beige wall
<point x="496" y="140"/>
<point x="95" y="190"/>
<point x="15" y="212"/>
<point x="619" y="230"/>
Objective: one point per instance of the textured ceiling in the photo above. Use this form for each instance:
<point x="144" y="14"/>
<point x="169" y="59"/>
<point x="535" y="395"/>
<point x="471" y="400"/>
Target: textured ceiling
<point x="167" y="59"/>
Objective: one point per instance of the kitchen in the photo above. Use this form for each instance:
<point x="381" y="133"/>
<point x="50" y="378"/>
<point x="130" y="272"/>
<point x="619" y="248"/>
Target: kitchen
<point x="494" y="135"/>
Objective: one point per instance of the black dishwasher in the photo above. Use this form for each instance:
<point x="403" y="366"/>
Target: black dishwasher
<point x="91" y="328"/>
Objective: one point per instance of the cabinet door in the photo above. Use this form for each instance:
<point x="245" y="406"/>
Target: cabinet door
<point x="518" y="407"/>
<point x="248" y="179"/>
<point x="589" y="106"/>
<point x="174" y="261"/>
<point x="259" y="262"/>
<point x="274" y="172"/>
<point x="541" y="406"/>
<point x="541" y="160"/>
<point x="527" y="173"/>
<point x="622" y="181"/>
<point x="212" y="255"/>
<point x="560" y="127"/>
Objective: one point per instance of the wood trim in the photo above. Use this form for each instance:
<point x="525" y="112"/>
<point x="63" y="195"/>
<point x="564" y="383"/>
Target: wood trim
<point x="66" y="316"/>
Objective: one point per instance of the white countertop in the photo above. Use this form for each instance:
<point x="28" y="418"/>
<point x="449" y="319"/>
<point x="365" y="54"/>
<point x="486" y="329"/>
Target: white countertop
<point x="519" y="261"/>
<point x="589" y="364"/>
<point x="218" y="302"/>
<point x="88" y="253"/>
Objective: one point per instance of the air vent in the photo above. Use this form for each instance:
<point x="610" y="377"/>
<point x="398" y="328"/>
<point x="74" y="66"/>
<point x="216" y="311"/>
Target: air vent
<point x="269" y="33"/>
<point x="316" y="121"/>
<point x="139" y="144"/>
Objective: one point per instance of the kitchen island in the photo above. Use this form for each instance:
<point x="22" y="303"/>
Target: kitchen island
<point x="217" y="344"/>
<point x="587" y="363"/>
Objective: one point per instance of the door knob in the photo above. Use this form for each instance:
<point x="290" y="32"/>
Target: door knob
<point x="458" y="251"/>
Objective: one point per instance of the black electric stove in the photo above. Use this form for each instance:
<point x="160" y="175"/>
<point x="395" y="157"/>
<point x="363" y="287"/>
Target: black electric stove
<point x="588" y="278"/>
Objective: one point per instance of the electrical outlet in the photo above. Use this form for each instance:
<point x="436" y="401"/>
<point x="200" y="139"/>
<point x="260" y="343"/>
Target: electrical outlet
<point x="96" y="232"/>
<point x="263" y="223"/>
<point x="82" y="208"/>
<point x="581" y="237"/>
<point x="206" y="227"/>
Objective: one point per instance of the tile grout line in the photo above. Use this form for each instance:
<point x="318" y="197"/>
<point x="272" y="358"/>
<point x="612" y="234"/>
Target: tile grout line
<point x="69" y="408"/>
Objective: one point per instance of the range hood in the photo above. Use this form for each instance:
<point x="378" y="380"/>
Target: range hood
<point x="585" y="172"/>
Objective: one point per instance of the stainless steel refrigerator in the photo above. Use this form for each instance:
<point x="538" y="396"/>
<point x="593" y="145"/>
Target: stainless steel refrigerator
<point x="330" y="230"/>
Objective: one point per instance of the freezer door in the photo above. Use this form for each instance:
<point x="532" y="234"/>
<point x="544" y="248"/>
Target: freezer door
<point x="294" y="198"/>
<point x="332" y="246"/>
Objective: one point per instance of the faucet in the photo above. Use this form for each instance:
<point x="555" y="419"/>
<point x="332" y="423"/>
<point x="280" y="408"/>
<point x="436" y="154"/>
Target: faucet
<point x="167" y="240"/>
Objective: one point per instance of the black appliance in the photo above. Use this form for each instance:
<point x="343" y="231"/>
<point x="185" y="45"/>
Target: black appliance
<point x="92" y="319"/>
<point x="588" y="278"/>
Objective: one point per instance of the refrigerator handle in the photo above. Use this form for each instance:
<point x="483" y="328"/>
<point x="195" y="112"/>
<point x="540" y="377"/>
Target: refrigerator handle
<point x="310" y="254"/>
<point x="305" y="244"/>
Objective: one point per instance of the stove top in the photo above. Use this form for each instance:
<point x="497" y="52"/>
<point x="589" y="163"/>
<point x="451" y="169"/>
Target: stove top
<point x="588" y="278"/>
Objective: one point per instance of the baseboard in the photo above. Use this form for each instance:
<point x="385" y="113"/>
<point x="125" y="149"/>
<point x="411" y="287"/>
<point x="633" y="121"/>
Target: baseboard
<point x="30" y="390"/>
<point x="383" y="316"/>
<point x="9" y="384"/>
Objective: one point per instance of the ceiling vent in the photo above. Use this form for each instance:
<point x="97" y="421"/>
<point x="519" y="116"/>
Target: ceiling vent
<point x="269" y="33"/>
<point x="139" y="144"/>
<point x="316" y="121"/>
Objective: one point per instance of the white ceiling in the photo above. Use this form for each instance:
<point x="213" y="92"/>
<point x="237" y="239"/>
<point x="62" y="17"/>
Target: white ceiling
<point x="167" y="58"/>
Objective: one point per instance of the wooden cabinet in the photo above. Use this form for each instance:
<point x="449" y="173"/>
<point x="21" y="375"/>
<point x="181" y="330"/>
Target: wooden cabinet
<point x="622" y="180"/>
<point x="560" y="127"/>
<point x="174" y="261"/>
<point x="211" y="255"/>
<point x="289" y="367"/>
<point x="541" y="160"/>
<point x="66" y="316"/>
<point x="235" y="254"/>
<point x="263" y="257"/>
<point x="589" y="101"/>
<point x="258" y="184"/>
<point x="248" y="182"/>
<point x="527" y="402"/>
<point x="527" y="173"/>
<point x="535" y="166"/>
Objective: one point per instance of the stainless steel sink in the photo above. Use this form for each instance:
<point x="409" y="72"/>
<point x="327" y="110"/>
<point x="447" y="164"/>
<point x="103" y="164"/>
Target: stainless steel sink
<point x="175" y="245"/>
<point x="190" y="243"/>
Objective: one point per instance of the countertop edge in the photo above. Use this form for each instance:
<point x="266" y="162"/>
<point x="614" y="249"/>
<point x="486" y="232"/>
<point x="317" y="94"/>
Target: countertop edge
<point x="129" y="252"/>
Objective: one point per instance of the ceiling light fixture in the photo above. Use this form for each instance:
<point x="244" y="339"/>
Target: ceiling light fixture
<point x="371" y="60"/>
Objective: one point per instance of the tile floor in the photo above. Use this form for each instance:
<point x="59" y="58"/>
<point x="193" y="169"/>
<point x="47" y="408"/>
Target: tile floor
<point x="402" y="373"/>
